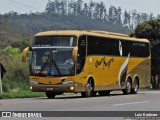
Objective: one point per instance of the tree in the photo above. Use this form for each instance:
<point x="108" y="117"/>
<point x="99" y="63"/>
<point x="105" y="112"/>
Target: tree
<point x="72" y="8"/>
<point x="127" y="20"/>
<point x="112" y="14"/>
<point x="91" y="9"/>
<point x="99" y="11"/>
<point x="144" y="17"/>
<point x="119" y="13"/>
<point x="50" y="7"/>
<point x="11" y="52"/>
<point x="79" y="8"/>
<point x="133" y="19"/>
<point x="58" y="7"/>
<point x="21" y="44"/>
<point x="150" y="30"/>
<point x="85" y="10"/>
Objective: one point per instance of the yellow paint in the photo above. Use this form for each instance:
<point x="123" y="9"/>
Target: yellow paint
<point x="49" y="80"/>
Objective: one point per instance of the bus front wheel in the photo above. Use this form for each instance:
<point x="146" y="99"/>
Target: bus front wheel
<point x="50" y="95"/>
<point x="89" y="89"/>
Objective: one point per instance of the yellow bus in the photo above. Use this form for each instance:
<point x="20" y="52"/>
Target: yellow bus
<point x="88" y="62"/>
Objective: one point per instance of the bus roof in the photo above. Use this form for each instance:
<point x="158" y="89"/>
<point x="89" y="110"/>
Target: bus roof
<point x="90" y="32"/>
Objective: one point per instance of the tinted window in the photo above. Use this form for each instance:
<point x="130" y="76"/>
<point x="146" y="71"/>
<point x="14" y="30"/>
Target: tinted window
<point x="136" y="49"/>
<point x="116" y="47"/>
<point x="102" y="46"/>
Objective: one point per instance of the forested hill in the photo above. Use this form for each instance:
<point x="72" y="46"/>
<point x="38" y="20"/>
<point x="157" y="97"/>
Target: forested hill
<point x="36" y="22"/>
<point x="76" y="14"/>
<point x="68" y="14"/>
<point x="10" y="34"/>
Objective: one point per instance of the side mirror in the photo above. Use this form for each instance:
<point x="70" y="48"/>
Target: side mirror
<point x="74" y="54"/>
<point x="24" y="53"/>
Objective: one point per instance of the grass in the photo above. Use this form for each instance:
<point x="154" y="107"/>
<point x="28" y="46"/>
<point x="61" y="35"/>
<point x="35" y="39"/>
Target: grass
<point x="14" y="89"/>
<point x="21" y="94"/>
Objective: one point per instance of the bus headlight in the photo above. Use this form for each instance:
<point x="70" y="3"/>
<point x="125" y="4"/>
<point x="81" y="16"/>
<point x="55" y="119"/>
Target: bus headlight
<point x="30" y="87"/>
<point x="67" y="82"/>
<point x="72" y="88"/>
<point x="33" y="82"/>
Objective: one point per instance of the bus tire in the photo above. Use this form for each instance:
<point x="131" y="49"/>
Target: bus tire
<point x="50" y="95"/>
<point x="135" y="86"/>
<point x="128" y="88"/>
<point x="104" y="93"/>
<point x="89" y="89"/>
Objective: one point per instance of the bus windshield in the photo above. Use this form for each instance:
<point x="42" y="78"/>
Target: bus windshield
<point x="52" y="62"/>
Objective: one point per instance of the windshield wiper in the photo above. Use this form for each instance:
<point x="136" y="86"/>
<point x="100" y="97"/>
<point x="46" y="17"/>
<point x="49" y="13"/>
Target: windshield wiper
<point x="45" y="63"/>
<point x="56" y="67"/>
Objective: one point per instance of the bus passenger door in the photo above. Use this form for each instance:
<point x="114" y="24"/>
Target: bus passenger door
<point x="81" y="57"/>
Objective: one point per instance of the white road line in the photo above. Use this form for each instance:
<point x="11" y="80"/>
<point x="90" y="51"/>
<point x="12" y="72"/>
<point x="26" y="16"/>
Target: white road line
<point x="130" y="103"/>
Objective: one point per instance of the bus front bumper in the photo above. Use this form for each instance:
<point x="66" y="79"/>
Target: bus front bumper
<point x="52" y="88"/>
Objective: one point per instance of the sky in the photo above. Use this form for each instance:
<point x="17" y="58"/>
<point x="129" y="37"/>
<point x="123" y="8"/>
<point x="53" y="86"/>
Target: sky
<point x="27" y="6"/>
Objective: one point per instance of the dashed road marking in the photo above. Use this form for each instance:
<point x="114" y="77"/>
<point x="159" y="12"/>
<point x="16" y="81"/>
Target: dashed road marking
<point x="130" y="103"/>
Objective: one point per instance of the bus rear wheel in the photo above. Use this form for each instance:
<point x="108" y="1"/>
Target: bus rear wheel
<point x="128" y="88"/>
<point x="89" y="89"/>
<point x="50" y="95"/>
<point x="135" y="86"/>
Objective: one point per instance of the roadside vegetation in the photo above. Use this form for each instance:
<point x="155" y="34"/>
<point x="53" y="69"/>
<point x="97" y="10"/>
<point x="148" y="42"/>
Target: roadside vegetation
<point x="15" y="82"/>
<point x="21" y="94"/>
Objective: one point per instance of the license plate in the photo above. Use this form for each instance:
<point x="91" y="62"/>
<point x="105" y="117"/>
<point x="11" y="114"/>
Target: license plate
<point x="49" y="89"/>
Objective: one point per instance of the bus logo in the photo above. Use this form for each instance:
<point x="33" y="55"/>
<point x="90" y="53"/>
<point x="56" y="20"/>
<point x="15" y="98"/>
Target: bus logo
<point x="103" y="61"/>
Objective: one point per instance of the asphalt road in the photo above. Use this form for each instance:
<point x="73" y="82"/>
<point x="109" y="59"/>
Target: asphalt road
<point x="116" y="101"/>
